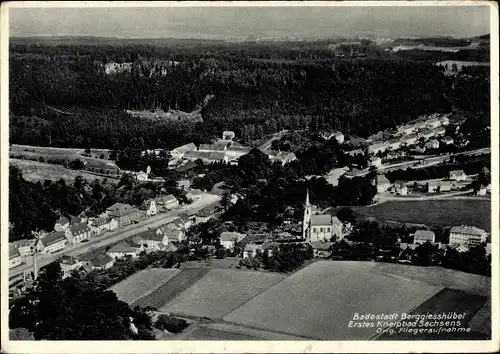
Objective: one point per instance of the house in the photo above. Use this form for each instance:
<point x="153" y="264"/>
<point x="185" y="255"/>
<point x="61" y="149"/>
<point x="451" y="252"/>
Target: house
<point x="281" y="157"/>
<point x="178" y="153"/>
<point x="205" y="214"/>
<point x="228" y="135"/>
<point x="102" y="261"/>
<point x="166" y="202"/>
<point x="15" y="258"/>
<point x="53" y="242"/>
<point x="62" y="224"/>
<point x="447" y="140"/>
<point x="482" y="190"/>
<point x="355" y="152"/>
<point x="322" y="249"/>
<point x="69" y="264"/>
<point x="467" y="235"/>
<point x="434" y="123"/>
<point x="410" y="140"/>
<point x="427" y="134"/>
<point x="73" y="220"/>
<point x="229" y="240"/>
<point x="103" y="224"/>
<point x="186" y="169"/>
<point x="458" y="175"/>
<point x="375" y="148"/>
<point x="152" y="240"/>
<point x="24" y="246"/>
<point x="375" y="161"/>
<point x="185" y="220"/>
<point x="394" y="144"/>
<point x="406" y="129"/>
<point x="184" y="184"/>
<point x="423" y="236"/>
<point x="438" y="186"/>
<point x="432" y="144"/>
<point x="339" y="137"/>
<point x="382" y="183"/>
<point x="123" y="249"/>
<point x="252" y="250"/>
<point x="125" y="214"/>
<point x="400" y="188"/>
<point x="141" y="176"/>
<point x="79" y="233"/>
<point x="174" y="231"/>
<point x="420" y="125"/>
<point x="149" y="207"/>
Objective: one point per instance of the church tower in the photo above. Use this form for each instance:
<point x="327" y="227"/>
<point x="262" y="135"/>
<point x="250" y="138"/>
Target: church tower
<point x="307" y="217"/>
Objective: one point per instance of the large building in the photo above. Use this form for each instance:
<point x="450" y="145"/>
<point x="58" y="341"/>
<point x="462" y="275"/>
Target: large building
<point x="423" y="236"/>
<point x="125" y="214"/>
<point x="467" y="235"/>
<point x="320" y="227"/>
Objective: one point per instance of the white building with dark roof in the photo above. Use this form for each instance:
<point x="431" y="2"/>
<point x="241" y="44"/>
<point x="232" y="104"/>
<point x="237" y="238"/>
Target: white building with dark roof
<point x="467" y="235"/>
<point x="320" y="227"/>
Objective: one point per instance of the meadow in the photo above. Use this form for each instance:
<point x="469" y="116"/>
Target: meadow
<point x="319" y="301"/>
<point x="220" y="292"/>
<point x="38" y="171"/>
<point x="433" y="212"/>
<point x="142" y="283"/>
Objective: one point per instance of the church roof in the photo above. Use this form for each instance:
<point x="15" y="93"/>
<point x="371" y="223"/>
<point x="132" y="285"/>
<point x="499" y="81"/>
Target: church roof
<point x="321" y="219"/>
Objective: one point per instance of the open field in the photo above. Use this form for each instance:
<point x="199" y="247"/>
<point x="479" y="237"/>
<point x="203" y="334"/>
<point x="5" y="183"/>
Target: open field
<point x="220" y="292"/>
<point x="319" y="301"/>
<point x="142" y="283"/>
<point x="433" y="212"/>
<point x="169" y="290"/>
<point x="39" y="171"/>
<point x="447" y="301"/>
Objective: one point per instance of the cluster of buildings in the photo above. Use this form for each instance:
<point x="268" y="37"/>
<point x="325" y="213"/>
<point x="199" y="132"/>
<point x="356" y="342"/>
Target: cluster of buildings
<point x="225" y="150"/>
<point x="461" y="238"/>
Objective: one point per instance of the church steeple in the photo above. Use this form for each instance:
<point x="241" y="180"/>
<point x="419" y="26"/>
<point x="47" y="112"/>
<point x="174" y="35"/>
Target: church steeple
<point x="307" y="216"/>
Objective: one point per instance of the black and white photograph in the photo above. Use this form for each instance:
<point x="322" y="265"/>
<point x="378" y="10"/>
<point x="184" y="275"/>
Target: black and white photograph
<point x="255" y="172"/>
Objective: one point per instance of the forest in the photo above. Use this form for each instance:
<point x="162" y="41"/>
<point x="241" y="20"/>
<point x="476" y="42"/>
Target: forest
<point x="61" y="94"/>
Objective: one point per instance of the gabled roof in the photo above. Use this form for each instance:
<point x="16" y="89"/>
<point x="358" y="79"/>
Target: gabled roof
<point x="146" y="205"/>
<point x="164" y="199"/>
<point x="123" y="247"/>
<point x="382" y="179"/>
<point x="68" y="260"/>
<point x="121" y="209"/>
<point x="231" y="236"/>
<point x="101" y="259"/>
<point x="184" y="148"/>
<point x="13" y="253"/>
<point x="321" y="219"/>
<point x="184" y="217"/>
<point x="53" y="238"/>
<point x="150" y="235"/>
<point x="75" y="220"/>
<point x="426" y="234"/>
<point x="79" y="228"/>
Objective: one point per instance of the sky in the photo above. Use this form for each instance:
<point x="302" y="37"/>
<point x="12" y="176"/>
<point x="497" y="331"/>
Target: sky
<point x="223" y="22"/>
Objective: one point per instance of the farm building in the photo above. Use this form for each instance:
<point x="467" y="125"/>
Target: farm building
<point x="152" y="240"/>
<point x="102" y="261"/>
<point x="123" y="249"/>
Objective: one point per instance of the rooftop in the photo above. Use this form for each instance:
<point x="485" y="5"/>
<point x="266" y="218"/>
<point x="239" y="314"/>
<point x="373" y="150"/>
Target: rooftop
<point x="469" y="230"/>
<point x="321" y="219"/>
<point x="187" y="147"/>
<point x="53" y="238"/>
<point x="231" y="236"/>
<point x="122" y="247"/>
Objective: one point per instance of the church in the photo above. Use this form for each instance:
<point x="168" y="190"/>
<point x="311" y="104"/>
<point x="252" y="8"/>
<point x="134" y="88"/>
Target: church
<point x="318" y="227"/>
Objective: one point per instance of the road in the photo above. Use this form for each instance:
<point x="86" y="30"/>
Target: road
<point x="115" y="236"/>
<point x="269" y="142"/>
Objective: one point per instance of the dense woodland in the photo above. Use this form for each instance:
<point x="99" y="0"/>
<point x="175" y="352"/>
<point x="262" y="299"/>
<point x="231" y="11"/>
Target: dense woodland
<point x="58" y="93"/>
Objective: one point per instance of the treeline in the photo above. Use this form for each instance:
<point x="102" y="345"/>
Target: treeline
<point x="62" y="95"/>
